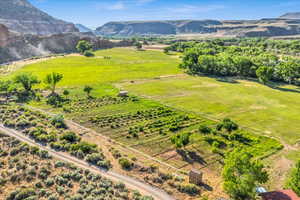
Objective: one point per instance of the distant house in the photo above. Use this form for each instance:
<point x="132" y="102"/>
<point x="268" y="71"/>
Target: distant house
<point x="280" y="195"/>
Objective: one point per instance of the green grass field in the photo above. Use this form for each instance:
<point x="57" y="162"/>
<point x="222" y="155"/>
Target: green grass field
<point x="124" y="64"/>
<point x="269" y="111"/>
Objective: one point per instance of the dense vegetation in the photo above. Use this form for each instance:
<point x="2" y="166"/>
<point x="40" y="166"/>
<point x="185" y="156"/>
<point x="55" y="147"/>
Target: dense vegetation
<point x="51" y="131"/>
<point x="29" y="173"/>
<point x="244" y="60"/>
<point x="242" y="174"/>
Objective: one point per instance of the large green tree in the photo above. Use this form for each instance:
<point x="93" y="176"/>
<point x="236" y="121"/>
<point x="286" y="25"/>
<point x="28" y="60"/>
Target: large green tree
<point x="27" y="80"/>
<point x="83" y="46"/>
<point x="242" y="174"/>
<point x="294" y="180"/>
<point x="52" y="79"/>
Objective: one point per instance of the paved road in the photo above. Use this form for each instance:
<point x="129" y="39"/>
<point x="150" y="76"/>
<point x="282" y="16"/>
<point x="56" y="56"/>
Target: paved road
<point x="129" y="182"/>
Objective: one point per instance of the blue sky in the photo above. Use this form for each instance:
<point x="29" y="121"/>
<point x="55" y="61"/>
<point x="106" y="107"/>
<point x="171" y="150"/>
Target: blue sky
<point x="94" y="13"/>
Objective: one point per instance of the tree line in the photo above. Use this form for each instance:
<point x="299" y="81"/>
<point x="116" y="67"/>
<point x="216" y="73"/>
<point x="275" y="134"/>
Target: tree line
<point x="218" y="58"/>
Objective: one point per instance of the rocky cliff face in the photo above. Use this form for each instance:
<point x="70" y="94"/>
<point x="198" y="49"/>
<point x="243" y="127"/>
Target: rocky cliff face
<point x="240" y="28"/>
<point x="22" y="17"/>
<point x="17" y="46"/>
<point x="293" y="15"/>
<point x="4" y="35"/>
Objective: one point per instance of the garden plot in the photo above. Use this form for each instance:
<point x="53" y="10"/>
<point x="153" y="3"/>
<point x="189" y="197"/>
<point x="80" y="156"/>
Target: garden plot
<point x="149" y="127"/>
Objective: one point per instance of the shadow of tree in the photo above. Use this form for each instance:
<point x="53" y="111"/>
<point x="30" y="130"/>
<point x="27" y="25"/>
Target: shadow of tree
<point x="191" y="157"/>
<point x="227" y="80"/>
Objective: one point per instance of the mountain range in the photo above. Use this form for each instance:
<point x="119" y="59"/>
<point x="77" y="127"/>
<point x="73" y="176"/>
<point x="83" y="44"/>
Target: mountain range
<point x="26" y="31"/>
<point x="236" y="28"/>
<point x="292" y="15"/>
<point x="20" y="16"/>
<point x="83" y="29"/>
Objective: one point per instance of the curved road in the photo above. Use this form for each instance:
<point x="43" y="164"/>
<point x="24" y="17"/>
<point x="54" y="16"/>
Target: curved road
<point x="128" y="181"/>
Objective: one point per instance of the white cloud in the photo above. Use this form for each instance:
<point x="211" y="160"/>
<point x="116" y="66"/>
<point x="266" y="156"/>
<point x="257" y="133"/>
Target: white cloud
<point x="119" y="5"/>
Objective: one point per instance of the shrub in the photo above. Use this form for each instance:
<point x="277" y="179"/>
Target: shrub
<point x="190" y="189"/>
<point x="94" y="158"/>
<point x="85" y="147"/>
<point x="49" y="182"/>
<point x="58" y="121"/>
<point x="125" y="163"/>
<point x="70" y="137"/>
<point x="205" y="129"/>
<point x="88" y="54"/>
<point x="20" y="194"/>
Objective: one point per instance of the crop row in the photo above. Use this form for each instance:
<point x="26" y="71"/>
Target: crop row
<point x="128" y="118"/>
<point x="78" y="105"/>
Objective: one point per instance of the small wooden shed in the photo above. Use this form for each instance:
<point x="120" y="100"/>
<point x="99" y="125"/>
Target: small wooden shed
<point x="195" y="177"/>
<point x="123" y="94"/>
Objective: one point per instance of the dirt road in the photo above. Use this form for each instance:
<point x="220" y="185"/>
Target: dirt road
<point x="128" y="181"/>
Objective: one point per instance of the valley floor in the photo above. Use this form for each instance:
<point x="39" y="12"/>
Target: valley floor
<point x="155" y="78"/>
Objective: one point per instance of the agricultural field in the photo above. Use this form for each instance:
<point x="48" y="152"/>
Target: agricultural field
<point x="106" y="67"/>
<point x="263" y="109"/>
<point x="164" y="103"/>
<point x="148" y="127"/>
<point x="39" y="176"/>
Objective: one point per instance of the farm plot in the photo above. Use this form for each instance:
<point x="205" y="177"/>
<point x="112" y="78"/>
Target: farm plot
<point x="149" y="127"/>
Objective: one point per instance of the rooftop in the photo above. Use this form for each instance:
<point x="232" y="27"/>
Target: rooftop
<point x="280" y="195"/>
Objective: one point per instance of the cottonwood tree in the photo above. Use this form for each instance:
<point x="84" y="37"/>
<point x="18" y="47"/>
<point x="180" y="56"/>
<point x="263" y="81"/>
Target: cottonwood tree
<point x="83" y="46"/>
<point x="27" y="80"/>
<point x="52" y="80"/>
<point x="242" y="174"/>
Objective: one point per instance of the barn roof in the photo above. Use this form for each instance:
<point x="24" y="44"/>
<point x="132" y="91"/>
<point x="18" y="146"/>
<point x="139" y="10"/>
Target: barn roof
<point x="280" y="195"/>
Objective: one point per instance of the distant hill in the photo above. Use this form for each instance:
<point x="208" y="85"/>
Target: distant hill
<point x="240" y="28"/>
<point x="156" y="27"/>
<point x="292" y="15"/>
<point x="82" y="28"/>
<point x="14" y="46"/>
<point x="22" y="17"/>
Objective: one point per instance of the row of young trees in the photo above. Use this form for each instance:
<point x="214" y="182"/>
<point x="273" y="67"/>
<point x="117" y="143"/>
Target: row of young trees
<point x="214" y="58"/>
